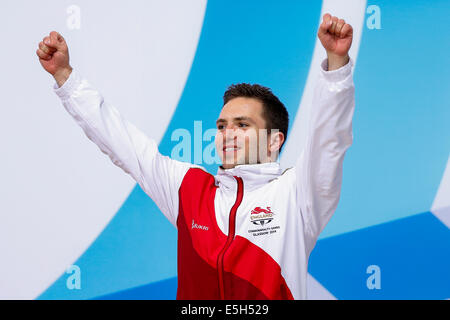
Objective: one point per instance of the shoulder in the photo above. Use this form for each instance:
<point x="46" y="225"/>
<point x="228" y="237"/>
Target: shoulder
<point x="196" y="176"/>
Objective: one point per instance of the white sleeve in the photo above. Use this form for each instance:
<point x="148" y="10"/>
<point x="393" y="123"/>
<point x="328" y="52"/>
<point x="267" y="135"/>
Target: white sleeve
<point x="319" y="167"/>
<point x="130" y="149"/>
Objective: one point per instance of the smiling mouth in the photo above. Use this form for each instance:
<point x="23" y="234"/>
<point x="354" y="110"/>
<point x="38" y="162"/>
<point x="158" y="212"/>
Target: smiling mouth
<point x="230" y="149"/>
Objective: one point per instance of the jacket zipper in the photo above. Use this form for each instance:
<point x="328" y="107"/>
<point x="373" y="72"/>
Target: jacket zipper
<point x="231" y="233"/>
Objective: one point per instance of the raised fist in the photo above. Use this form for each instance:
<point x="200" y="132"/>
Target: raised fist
<point x="53" y="55"/>
<point x="336" y="35"/>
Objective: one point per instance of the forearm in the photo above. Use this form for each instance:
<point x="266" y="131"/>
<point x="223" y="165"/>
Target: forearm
<point x="102" y="122"/>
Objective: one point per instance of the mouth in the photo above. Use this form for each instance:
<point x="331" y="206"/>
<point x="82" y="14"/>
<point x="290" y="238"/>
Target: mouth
<point x="230" y="149"/>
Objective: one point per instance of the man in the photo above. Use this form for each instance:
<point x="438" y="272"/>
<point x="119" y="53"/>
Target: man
<point x="247" y="232"/>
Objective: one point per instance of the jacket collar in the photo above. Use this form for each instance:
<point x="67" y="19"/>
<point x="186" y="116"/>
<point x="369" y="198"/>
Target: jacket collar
<point x="253" y="175"/>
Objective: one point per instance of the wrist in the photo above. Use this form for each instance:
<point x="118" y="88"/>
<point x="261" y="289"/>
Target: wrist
<point x="62" y="75"/>
<point x="335" y="61"/>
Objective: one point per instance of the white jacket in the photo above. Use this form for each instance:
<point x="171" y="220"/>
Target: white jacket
<point x="247" y="232"/>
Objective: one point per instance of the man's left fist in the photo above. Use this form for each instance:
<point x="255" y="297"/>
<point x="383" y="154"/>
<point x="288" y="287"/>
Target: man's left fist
<point x="336" y="35"/>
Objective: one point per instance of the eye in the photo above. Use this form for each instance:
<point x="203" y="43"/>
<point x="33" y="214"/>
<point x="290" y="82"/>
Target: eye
<point x="243" y="125"/>
<point x="220" y="127"/>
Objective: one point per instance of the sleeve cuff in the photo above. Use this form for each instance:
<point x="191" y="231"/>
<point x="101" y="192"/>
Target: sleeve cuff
<point x="68" y="87"/>
<point x="338" y="74"/>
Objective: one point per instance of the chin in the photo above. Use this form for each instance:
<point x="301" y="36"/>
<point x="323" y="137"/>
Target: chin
<point x="229" y="166"/>
<point x="231" y="162"/>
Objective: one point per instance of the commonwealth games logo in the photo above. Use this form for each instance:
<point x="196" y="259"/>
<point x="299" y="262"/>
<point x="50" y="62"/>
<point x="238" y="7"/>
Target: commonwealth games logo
<point x="261" y="216"/>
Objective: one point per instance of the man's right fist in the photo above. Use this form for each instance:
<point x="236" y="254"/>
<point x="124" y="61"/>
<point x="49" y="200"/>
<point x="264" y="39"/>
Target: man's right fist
<point x="53" y="55"/>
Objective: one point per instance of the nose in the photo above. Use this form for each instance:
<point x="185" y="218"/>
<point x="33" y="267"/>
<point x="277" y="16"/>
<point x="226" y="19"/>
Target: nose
<point x="231" y="133"/>
<point x="227" y="137"/>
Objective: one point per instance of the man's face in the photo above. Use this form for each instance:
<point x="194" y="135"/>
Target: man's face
<point x="238" y="128"/>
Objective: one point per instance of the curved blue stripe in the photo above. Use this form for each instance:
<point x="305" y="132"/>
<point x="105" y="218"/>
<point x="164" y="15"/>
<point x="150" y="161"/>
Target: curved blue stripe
<point x="247" y="41"/>
<point x="265" y="42"/>
<point x="160" y="290"/>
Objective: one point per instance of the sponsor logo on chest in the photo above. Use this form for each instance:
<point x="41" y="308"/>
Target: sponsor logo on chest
<point x="262" y="217"/>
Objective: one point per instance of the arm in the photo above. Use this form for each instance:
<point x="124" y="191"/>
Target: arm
<point x="127" y="147"/>
<point x="319" y="167"/>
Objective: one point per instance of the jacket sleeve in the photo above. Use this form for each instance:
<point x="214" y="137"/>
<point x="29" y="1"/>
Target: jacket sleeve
<point x="130" y="149"/>
<point x="319" y="167"/>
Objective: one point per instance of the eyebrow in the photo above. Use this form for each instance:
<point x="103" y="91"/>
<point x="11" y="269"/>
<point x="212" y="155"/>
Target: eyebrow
<point x="220" y="120"/>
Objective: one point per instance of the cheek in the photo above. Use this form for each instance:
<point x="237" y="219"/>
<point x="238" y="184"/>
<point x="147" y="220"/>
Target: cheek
<point x="251" y="139"/>
<point x="242" y="139"/>
<point x="218" y="140"/>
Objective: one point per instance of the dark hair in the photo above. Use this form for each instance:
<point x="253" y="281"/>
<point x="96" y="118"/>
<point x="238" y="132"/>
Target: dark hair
<point x="274" y="111"/>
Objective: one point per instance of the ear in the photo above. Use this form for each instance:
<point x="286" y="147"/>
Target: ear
<point x="276" y="141"/>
